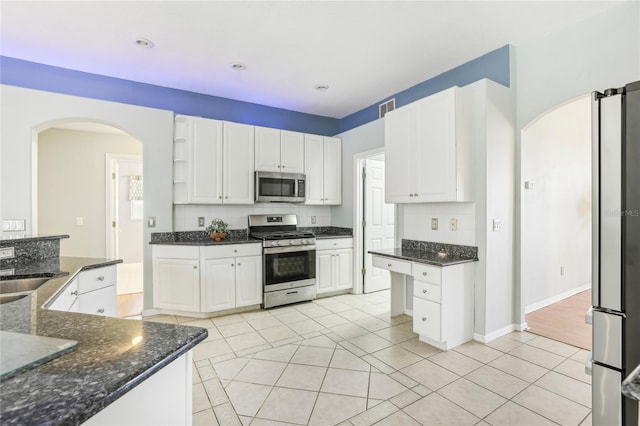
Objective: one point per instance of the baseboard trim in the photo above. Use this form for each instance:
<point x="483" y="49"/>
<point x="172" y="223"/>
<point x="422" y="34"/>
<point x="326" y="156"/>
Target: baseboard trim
<point x="486" y="338"/>
<point x="553" y="299"/>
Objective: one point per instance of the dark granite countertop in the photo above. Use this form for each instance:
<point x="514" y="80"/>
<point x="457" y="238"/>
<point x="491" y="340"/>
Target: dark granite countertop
<point x="438" y="254"/>
<point x="7" y="239"/>
<point x="631" y="384"/>
<point x="111" y="358"/>
<point x="325" y="232"/>
<point x="201" y="238"/>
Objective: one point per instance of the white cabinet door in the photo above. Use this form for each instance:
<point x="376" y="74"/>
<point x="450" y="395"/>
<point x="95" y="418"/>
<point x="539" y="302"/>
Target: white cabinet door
<point x="248" y="281"/>
<point x="426" y="319"/>
<point x="176" y="284"/>
<point x="219" y="285"/>
<point x="267" y="156"/>
<point x="205" y="159"/>
<point x="399" y="133"/>
<point x="343" y="262"/>
<point x="238" y="164"/>
<point x="292" y="152"/>
<point x="314" y="168"/>
<point x="324" y="271"/>
<point x="332" y="161"/>
<point x="434" y="150"/>
<point x="99" y="302"/>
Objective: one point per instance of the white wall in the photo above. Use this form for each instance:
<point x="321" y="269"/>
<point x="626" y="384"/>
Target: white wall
<point x="185" y="217"/>
<point x="598" y="53"/>
<point x="556" y="212"/>
<point x="71" y="184"/>
<point x="416" y="222"/>
<point x="361" y="139"/>
<point x="25" y="112"/>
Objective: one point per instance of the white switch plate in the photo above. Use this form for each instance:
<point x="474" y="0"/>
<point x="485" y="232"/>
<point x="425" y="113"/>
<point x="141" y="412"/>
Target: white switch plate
<point x="434" y="223"/>
<point x="313" y="220"/>
<point x="453" y="224"/>
<point x="151" y="222"/>
<point x="497" y="225"/>
<point x="14" y="225"/>
<point x="200" y="221"/>
<point x="79" y="221"/>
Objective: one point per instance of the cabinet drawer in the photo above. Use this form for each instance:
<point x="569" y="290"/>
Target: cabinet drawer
<point x="175" y="252"/>
<point x="65" y="297"/>
<point x="94" y="279"/>
<point x="99" y="302"/>
<point x="426" y="291"/>
<point x="430" y="274"/>
<point x="390" y="264"/>
<point x="426" y="318"/>
<point x="334" y="243"/>
<point x="232" y="250"/>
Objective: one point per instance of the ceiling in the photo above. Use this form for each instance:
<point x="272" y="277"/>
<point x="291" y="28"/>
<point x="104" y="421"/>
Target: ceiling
<point x="365" y="51"/>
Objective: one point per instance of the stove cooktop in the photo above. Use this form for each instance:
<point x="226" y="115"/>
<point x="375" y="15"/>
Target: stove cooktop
<point x="281" y="235"/>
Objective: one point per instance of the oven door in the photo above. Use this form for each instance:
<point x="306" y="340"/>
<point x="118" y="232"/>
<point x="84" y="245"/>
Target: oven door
<point x="288" y="267"/>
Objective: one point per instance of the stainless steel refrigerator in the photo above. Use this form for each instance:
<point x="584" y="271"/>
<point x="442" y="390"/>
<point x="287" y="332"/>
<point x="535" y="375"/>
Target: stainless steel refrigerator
<point x="616" y="251"/>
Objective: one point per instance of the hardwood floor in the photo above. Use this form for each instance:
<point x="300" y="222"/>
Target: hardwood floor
<point x="564" y="321"/>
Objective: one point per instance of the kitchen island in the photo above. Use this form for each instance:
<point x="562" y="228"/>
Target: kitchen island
<point x="120" y="371"/>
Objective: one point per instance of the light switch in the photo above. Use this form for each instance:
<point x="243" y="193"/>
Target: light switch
<point x="151" y="222"/>
<point x="79" y="221"/>
<point x="201" y="221"/>
<point x="313" y="220"/>
<point x="497" y="225"/>
<point x="434" y="223"/>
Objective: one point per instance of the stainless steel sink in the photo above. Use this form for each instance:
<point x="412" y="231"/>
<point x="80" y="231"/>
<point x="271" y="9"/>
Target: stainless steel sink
<point x="16" y="289"/>
<point x="7" y="298"/>
<point x="21" y="285"/>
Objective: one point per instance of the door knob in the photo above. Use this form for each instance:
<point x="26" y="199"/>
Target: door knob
<point x="424" y="319"/>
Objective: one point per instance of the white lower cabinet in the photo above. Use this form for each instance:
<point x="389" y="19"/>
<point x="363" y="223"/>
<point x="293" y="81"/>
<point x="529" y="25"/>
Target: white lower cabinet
<point x="91" y="291"/>
<point x="443" y="299"/>
<point x="204" y="279"/>
<point x="334" y="265"/>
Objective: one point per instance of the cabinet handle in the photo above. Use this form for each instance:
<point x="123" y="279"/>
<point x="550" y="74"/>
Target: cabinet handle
<point x="389" y="265"/>
<point x="101" y="311"/>
<point x="424" y="273"/>
<point x="101" y="278"/>
<point x="415" y="195"/>
<point x="278" y="165"/>
<point x="235" y="251"/>
<point x="226" y="197"/>
<point x="74" y="293"/>
<point x="232" y="265"/>
<point x="424" y="291"/>
<point x="220" y="197"/>
<point x="283" y="166"/>
<point x="195" y="267"/>
<point x="424" y="319"/>
<point x="410" y="195"/>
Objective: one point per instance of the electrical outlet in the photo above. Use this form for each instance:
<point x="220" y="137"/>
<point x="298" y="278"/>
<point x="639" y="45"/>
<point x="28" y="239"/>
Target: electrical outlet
<point x="313" y="220"/>
<point x="453" y="224"/>
<point x="434" y="223"/>
<point x="497" y="225"/>
<point x="200" y="221"/>
<point x="14" y="225"/>
<point x="151" y="222"/>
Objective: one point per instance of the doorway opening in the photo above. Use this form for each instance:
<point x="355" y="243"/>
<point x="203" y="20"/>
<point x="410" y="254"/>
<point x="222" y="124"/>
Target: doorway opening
<point x="88" y="180"/>
<point x="374" y="221"/>
<point x="556" y="223"/>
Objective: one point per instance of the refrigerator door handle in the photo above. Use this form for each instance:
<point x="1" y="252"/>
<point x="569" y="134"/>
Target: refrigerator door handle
<point x="595" y="204"/>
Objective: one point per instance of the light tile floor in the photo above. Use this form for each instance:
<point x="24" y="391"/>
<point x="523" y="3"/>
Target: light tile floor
<point x="343" y="360"/>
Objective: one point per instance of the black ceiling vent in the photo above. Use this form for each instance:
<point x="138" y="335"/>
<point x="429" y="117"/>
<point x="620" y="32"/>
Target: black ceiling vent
<point x="384" y="108"/>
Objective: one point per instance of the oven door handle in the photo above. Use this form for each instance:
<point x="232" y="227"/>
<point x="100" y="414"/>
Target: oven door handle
<point x="288" y="249"/>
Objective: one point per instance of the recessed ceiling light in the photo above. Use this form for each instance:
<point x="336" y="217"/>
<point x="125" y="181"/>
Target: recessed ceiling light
<point x="145" y="43"/>
<point x="237" y="66"/>
<point x="321" y="86"/>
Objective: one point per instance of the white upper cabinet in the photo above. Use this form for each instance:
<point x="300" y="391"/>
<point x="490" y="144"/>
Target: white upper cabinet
<point x="238" y="154"/>
<point x="323" y="168"/>
<point x="424" y="147"/>
<point x="197" y="160"/>
<point x="212" y="161"/>
<point x="279" y="151"/>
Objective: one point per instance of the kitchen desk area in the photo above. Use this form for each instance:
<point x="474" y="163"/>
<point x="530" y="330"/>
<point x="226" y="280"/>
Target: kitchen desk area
<point x="441" y="277"/>
<point x="115" y="371"/>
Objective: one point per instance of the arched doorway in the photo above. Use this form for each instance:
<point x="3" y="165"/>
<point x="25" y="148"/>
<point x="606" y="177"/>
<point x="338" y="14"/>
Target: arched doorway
<point x="89" y="185"/>
<point x="556" y="222"/>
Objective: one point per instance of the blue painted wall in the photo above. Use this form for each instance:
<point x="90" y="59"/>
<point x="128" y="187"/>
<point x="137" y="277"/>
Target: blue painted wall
<point x="15" y="72"/>
<point x="493" y="65"/>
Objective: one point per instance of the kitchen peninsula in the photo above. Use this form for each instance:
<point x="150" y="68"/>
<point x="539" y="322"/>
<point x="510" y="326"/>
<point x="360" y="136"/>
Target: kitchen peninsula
<point x="119" y="372"/>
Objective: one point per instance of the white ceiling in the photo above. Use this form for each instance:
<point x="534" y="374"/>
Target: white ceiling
<point x="365" y="51"/>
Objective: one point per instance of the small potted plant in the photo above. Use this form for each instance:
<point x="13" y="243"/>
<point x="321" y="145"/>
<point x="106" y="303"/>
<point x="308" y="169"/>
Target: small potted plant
<point x="217" y="230"/>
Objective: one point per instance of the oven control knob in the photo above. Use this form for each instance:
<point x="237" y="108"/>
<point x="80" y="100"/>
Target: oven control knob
<point x="292" y="242"/>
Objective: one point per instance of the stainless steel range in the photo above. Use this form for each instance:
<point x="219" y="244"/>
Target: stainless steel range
<point x="288" y="259"/>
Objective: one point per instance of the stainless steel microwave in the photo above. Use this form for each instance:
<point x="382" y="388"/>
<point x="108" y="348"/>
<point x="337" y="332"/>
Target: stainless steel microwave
<point x="280" y="187"/>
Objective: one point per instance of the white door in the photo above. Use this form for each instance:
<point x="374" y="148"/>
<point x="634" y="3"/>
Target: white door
<point x="126" y="217"/>
<point x="379" y="229"/>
